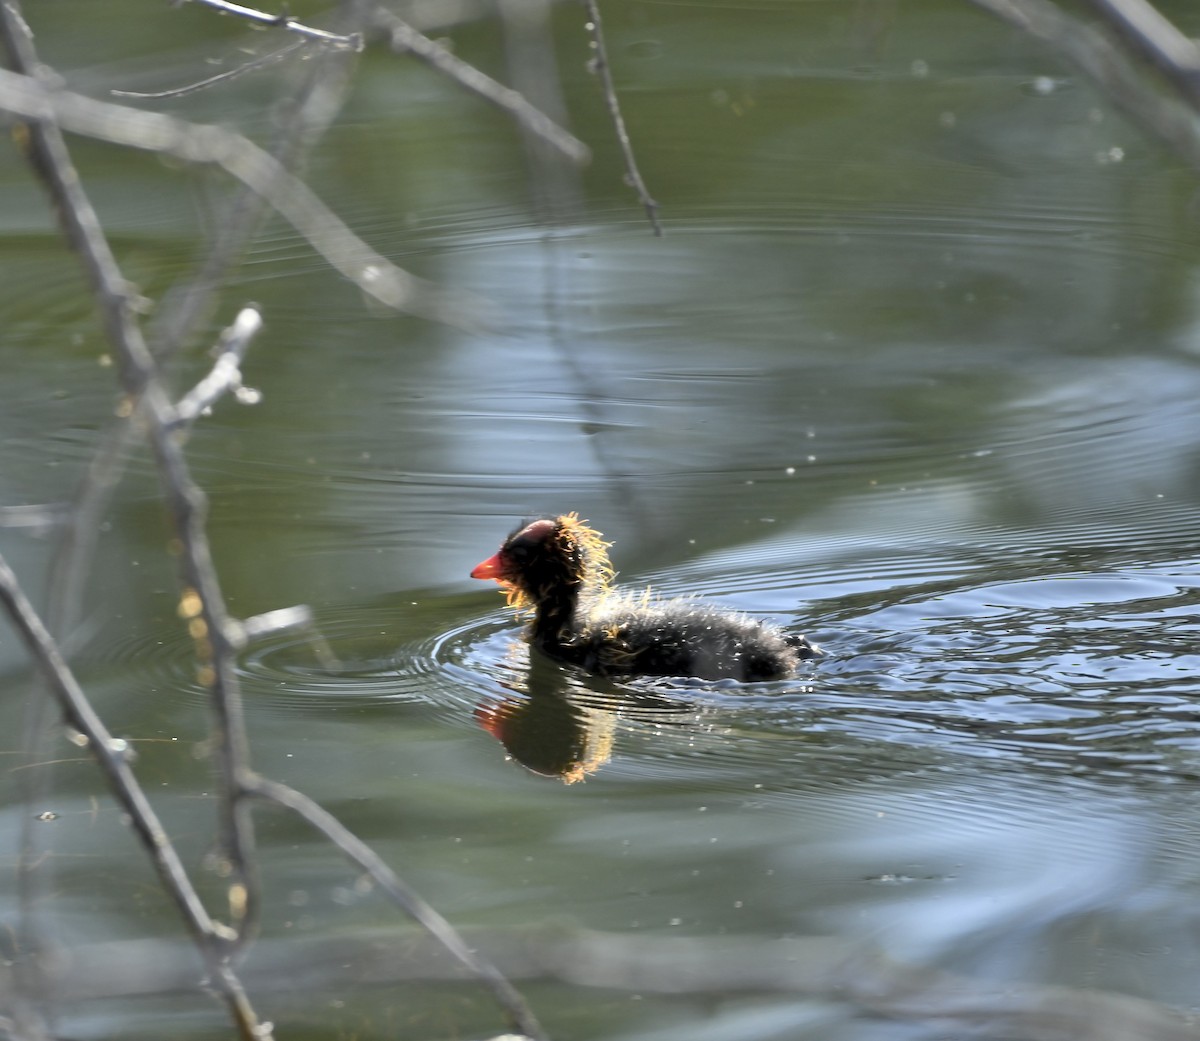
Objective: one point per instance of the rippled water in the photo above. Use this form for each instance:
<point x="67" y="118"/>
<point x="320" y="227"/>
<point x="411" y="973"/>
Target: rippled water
<point x="1067" y="664"/>
<point x="913" y="372"/>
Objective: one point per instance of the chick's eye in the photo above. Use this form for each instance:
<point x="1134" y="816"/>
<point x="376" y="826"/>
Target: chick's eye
<point x="518" y="552"/>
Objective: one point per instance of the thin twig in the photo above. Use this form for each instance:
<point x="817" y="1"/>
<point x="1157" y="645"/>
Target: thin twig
<point x="602" y="68"/>
<point x="226" y="373"/>
<point x="404" y="37"/>
<point x="256" y="65"/>
<point x="399" y="893"/>
<point x="112" y="756"/>
<point x="290" y="197"/>
<point x="353" y="41"/>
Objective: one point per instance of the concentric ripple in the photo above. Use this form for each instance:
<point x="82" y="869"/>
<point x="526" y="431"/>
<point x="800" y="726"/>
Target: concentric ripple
<point x="1061" y="667"/>
<point x="1046" y="660"/>
<point x="351" y="658"/>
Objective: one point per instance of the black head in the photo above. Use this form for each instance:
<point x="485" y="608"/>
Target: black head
<point x="548" y="559"/>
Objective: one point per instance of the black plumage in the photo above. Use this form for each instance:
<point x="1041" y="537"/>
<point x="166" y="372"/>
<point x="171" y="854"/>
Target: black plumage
<point x="559" y="568"/>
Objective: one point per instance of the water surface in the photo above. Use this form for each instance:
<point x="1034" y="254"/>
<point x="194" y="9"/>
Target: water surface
<point x="913" y="371"/>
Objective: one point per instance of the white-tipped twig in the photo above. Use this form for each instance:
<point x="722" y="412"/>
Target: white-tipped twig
<point x="299" y="616"/>
<point x="226" y="373"/>
<point x="353" y="42"/>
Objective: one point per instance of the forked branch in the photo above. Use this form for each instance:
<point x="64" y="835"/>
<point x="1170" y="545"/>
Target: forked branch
<point x="217" y="636"/>
<point x="112" y="756"/>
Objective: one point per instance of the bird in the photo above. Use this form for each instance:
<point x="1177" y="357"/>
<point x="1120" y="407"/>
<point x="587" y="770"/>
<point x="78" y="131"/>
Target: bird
<point x="558" y="568"/>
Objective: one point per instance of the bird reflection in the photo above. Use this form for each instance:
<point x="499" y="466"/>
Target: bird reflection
<point x="556" y="726"/>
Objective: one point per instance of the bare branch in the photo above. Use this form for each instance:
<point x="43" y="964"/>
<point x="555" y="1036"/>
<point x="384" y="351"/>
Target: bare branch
<point x="112" y="755"/>
<point x="181" y="311"/>
<point x="602" y="68"/>
<point x="1103" y="61"/>
<point x="202" y="604"/>
<point x="258" y="170"/>
<point x="263" y="62"/>
<point x="400" y="894"/>
<point x="404" y="37"/>
<point x="353" y="42"/>
<point x="1145" y="28"/>
<point x="216" y="635"/>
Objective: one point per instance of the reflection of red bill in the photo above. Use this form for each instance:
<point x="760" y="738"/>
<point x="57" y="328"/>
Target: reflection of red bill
<point x="491" y="718"/>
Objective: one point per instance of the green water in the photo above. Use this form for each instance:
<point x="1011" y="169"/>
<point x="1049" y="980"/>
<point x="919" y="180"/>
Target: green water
<point x="913" y="370"/>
